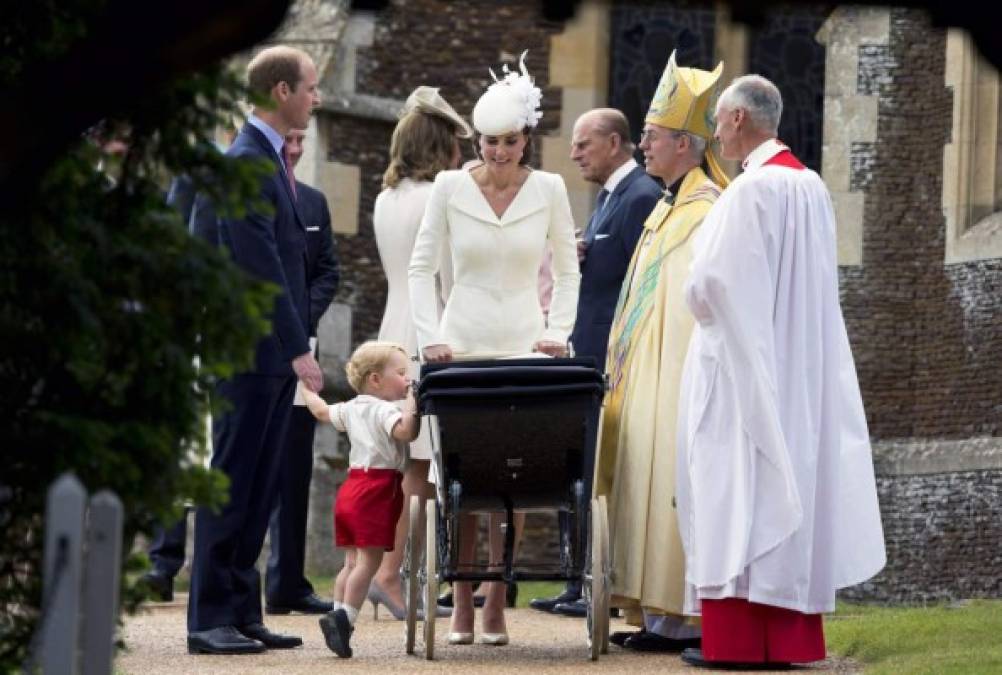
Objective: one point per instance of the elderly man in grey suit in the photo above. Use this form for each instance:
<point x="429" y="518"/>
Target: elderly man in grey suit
<point x="603" y="151"/>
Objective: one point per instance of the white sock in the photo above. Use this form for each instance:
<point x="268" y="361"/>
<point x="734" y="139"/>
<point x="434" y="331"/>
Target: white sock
<point x="336" y="605"/>
<point x="351" y="612"/>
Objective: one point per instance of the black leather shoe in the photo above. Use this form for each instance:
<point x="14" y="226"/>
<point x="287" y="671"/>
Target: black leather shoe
<point x="547" y="604"/>
<point x="161" y="585"/>
<point x="258" y="631"/>
<point x="645" y="641"/>
<point x="577" y="609"/>
<point x="311" y="604"/>
<point x="620" y="636"/>
<point x="445" y="600"/>
<point x="694" y="657"/>
<point x="337" y="632"/>
<point x="222" y="640"/>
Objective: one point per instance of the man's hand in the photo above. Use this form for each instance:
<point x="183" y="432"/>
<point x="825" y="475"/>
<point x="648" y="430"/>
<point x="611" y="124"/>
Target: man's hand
<point x="550" y="348"/>
<point x="582" y="250"/>
<point x="437" y="353"/>
<point x="308" y="371"/>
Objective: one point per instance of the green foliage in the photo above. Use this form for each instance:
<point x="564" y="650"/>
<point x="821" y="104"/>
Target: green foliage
<point x="115" y="322"/>
<point x="961" y="638"/>
<point x="34" y="30"/>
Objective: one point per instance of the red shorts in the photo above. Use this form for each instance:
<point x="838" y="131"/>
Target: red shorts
<point x="367" y="507"/>
<point x="737" y="630"/>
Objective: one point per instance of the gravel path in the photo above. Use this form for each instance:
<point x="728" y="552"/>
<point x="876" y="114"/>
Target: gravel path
<point x="540" y="643"/>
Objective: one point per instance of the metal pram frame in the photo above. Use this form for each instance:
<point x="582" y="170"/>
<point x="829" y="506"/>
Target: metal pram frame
<point x="507" y="435"/>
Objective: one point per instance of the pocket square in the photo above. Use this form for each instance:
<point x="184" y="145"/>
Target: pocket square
<point x="313" y="228"/>
<point x="601" y="236"/>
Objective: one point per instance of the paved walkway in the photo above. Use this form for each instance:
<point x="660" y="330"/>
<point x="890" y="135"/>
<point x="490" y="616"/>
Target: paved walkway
<point x="155" y="644"/>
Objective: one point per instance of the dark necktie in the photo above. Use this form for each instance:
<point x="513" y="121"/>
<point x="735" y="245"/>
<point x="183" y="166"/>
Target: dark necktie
<point x="288" y="170"/>
<point x="603" y="194"/>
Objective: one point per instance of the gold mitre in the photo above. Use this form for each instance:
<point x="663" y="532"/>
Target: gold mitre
<point x="685" y="99"/>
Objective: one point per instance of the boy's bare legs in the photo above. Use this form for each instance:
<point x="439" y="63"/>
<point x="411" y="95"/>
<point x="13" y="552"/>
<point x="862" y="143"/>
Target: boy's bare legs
<point x="342" y="577"/>
<point x="356" y="586"/>
<point x="415" y="482"/>
<point x="462" y="593"/>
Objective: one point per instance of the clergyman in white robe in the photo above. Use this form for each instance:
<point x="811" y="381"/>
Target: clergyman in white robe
<point x="776" y="497"/>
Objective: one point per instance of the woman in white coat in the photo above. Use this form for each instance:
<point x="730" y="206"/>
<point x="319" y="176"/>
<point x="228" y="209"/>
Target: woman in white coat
<point x="424" y="143"/>
<point x="496" y="220"/>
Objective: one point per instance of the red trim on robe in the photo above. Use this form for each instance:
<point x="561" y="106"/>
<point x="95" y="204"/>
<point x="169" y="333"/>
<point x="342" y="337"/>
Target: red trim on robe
<point x="785" y="158"/>
<point x="738" y="631"/>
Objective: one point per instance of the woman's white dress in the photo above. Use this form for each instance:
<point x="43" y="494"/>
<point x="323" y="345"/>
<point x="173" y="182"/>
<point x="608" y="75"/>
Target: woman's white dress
<point x="493" y="308"/>
<point x="396" y="219"/>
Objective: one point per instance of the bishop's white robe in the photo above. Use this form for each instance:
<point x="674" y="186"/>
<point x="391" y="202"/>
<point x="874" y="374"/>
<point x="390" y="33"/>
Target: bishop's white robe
<point x="776" y="497"/>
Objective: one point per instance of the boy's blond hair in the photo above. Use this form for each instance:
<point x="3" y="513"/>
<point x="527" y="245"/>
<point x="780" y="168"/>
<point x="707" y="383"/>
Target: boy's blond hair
<point x="370" y="357"/>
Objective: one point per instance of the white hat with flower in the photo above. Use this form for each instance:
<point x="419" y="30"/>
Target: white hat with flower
<point x="510" y="104"/>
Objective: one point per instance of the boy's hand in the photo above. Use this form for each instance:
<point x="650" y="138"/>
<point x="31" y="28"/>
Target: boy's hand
<point x="316" y="405"/>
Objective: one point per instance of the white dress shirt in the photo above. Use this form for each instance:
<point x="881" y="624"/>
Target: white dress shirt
<point x="369" y="422"/>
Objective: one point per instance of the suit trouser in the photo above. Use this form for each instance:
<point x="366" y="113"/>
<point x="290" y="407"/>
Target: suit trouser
<point x="285" y="580"/>
<point x="167" y="548"/>
<point x="248" y="444"/>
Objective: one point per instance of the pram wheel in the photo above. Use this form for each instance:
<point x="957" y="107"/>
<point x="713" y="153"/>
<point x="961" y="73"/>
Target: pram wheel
<point x="597" y="587"/>
<point x="431" y="571"/>
<point x="412" y="562"/>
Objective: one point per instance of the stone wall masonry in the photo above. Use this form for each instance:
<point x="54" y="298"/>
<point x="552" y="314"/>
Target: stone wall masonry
<point x="927" y="337"/>
<point x="942" y="533"/>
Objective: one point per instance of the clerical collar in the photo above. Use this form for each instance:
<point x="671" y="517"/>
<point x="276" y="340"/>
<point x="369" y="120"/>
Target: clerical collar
<point x="617" y="176"/>
<point x="763" y="154"/>
<point x="672" y="191"/>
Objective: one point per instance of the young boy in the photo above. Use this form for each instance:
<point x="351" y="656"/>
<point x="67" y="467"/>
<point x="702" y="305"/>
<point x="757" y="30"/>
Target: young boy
<point x="369" y="502"/>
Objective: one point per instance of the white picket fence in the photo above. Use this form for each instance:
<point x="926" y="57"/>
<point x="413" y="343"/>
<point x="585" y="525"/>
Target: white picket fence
<point x="83" y="553"/>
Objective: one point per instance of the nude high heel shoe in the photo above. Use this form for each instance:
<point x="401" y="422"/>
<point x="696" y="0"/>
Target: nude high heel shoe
<point x="460" y="638"/>
<point x="377" y="596"/>
<point x="494" y="639"/>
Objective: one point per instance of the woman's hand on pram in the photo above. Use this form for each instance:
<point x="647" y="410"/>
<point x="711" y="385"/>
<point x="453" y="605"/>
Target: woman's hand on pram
<point x="437" y="353"/>
<point x="550" y="348"/>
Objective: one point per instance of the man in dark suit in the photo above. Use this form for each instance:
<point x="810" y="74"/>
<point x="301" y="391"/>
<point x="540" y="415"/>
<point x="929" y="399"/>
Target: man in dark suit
<point x="166" y="550"/>
<point x="602" y="149"/>
<point x="286" y="586"/>
<point x="224" y="606"/>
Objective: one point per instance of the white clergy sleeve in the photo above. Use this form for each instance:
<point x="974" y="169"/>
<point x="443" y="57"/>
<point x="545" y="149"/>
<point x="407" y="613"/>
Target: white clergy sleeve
<point x="425" y="263"/>
<point x="566" y="272"/>
<point x="730" y="292"/>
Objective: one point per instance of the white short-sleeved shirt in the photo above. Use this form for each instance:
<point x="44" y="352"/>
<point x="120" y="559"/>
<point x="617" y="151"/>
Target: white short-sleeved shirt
<point x="369" y="423"/>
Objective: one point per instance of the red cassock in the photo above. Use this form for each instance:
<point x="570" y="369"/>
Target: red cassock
<point x="736" y="630"/>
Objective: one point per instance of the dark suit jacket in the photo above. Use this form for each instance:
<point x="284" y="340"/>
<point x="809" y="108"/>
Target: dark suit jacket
<point x="272" y="247"/>
<point x="607" y="259"/>
<point x="322" y="273"/>
<point x="181" y="195"/>
<point x="202" y="222"/>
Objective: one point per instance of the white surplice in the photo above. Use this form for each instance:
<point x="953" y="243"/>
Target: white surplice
<point x="776" y="498"/>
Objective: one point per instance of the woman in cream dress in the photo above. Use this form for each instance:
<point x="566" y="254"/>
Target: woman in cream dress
<point x="424" y="143"/>
<point x="495" y="219"/>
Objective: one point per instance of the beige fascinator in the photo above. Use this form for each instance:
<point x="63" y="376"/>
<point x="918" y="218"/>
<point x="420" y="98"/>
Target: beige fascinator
<point x="428" y="100"/>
